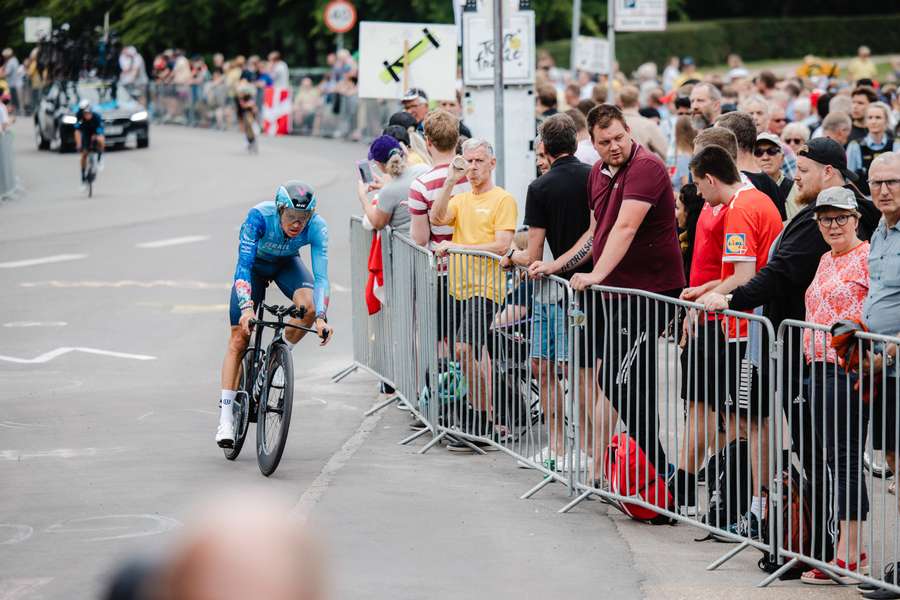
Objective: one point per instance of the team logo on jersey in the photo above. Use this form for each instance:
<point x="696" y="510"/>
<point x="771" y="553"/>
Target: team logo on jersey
<point x="736" y="243"/>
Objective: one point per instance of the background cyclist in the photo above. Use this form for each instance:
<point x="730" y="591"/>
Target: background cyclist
<point x="270" y="241"/>
<point x="88" y="131"/>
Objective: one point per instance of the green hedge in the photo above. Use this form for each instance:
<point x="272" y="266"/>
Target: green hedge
<point x="710" y="42"/>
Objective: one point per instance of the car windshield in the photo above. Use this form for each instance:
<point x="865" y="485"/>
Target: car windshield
<point x="98" y="93"/>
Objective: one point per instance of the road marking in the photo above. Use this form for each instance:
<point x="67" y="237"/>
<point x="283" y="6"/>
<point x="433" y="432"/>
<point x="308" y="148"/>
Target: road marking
<point x="320" y="484"/>
<point x="339" y="288"/>
<point x="13" y="589"/>
<point x="35" y="324"/>
<point x="145" y="415"/>
<point x="113" y="523"/>
<point x="192" y="309"/>
<point x="16" y="533"/>
<point x="166" y="283"/>
<point x="188" y="239"/>
<point x="15" y="455"/>
<point x="48" y="356"/>
<point x="41" y="261"/>
<point x="15" y="425"/>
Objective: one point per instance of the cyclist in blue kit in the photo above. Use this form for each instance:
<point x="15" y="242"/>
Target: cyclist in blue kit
<point x="270" y="241"/>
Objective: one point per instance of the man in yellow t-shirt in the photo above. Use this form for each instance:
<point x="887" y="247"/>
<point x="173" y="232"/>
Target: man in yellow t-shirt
<point x="483" y="220"/>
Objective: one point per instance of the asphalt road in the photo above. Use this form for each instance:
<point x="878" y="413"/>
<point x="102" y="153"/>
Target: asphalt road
<point x="111" y="338"/>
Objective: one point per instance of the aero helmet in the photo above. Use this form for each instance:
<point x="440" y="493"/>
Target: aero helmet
<point x="296" y="195"/>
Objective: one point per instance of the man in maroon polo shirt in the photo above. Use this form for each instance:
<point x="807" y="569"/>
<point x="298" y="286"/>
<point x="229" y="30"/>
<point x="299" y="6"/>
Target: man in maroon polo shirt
<point x="633" y="242"/>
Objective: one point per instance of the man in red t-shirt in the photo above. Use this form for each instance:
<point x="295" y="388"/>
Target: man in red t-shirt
<point x="752" y="224"/>
<point x="634" y="244"/>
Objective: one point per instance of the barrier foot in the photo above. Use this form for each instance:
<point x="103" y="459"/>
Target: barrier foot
<point x="433" y="442"/>
<point x="781" y="571"/>
<point x="728" y="556"/>
<point x="414" y="436"/>
<point x="581" y="498"/>
<point x="381" y="405"/>
<point x="340" y="375"/>
<point x="547" y="480"/>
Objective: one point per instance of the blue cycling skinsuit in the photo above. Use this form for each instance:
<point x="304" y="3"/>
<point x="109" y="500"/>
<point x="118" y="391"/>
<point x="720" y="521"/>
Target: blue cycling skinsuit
<point x="88" y="128"/>
<point x="266" y="254"/>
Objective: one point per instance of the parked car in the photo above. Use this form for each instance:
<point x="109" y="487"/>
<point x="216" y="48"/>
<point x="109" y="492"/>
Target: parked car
<point x="125" y="120"/>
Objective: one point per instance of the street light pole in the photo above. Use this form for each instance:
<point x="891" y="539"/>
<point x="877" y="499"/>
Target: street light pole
<point x="499" y="130"/>
<point x="611" y="38"/>
<point x="576" y="30"/>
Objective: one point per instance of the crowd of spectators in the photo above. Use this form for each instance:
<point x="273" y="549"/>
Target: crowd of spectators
<point x="788" y="197"/>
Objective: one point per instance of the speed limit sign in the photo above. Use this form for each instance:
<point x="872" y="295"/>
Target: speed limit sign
<point x="340" y="16"/>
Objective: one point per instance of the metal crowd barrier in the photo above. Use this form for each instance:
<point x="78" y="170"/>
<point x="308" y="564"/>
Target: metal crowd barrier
<point x="689" y="391"/>
<point x="8" y="183"/>
<point x="741" y="436"/>
<point x="837" y="505"/>
<point x="212" y="105"/>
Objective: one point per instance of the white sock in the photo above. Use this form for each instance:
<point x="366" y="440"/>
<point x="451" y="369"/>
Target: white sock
<point x="290" y="344"/>
<point x="756" y="507"/>
<point x="225" y="405"/>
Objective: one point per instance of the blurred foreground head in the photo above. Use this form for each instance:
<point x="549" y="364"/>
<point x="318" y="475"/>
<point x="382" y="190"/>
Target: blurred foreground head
<point x="243" y="545"/>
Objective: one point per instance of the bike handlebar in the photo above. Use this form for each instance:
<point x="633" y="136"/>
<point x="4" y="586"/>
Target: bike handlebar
<point x="280" y="312"/>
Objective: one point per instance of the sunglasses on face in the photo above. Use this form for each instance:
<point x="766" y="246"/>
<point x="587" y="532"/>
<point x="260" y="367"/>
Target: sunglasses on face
<point x="779" y="120"/>
<point x="296" y="216"/>
<point x="771" y="151"/>
<point x="794" y="141"/>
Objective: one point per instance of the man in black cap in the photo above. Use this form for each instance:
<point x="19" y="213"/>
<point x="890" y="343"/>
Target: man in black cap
<point x="780" y="288"/>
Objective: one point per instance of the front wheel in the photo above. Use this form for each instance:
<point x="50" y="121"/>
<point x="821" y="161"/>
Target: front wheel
<point x="274" y="416"/>
<point x="241" y="406"/>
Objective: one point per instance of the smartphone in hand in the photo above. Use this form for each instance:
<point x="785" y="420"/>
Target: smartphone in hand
<point x="365" y="171"/>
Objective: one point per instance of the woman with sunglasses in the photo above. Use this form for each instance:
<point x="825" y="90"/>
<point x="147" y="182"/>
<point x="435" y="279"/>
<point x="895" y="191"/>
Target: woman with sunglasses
<point x="795" y="135"/>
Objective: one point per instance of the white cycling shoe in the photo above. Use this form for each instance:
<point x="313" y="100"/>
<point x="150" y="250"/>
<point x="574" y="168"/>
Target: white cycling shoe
<point x="225" y="435"/>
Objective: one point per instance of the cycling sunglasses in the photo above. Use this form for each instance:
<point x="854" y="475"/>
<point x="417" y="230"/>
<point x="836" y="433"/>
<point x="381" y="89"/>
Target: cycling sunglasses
<point x="293" y="215"/>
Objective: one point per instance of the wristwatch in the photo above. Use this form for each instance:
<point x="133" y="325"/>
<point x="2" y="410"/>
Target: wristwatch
<point x="509" y="252"/>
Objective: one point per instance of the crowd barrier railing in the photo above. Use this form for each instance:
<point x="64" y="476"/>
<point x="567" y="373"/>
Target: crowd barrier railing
<point x="840" y="420"/>
<point x="8" y="181"/>
<point x="212" y="105"/>
<point x="692" y="391"/>
<point x="667" y="411"/>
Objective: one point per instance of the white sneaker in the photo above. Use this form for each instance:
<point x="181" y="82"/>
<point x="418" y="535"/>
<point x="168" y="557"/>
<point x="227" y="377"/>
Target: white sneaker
<point x="225" y="434"/>
<point x="101" y="164"/>
<point x="83" y="187"/>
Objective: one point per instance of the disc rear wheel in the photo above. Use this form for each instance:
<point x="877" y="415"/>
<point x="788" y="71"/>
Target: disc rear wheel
<point x="241" y="407"/>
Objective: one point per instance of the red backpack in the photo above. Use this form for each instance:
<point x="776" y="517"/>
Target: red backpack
<point x="630" y="474"/>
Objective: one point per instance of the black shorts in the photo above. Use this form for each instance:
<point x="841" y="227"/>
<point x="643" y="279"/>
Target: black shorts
<point x="885" y="422"/>
<point x="88" y="141"/>
<point x="711" y="367"/>
<point x="472" y="319"/>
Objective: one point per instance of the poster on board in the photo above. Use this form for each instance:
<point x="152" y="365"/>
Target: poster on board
<point x="518" y="49"/>
<point x="592" y="55"/>
<point x="640" y="15"/>
<point x="430" y="58"/>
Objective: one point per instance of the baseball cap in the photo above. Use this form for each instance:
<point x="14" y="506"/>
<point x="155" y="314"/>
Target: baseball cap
<point x="403" y="119"/>
<point x="836" y="197"/>
<point x="687" y="60"/>
<point x="383" y="148"/>
<point x="765" y="136"/>
<point x="414" y="94"/>
<point x="826" y="151"/>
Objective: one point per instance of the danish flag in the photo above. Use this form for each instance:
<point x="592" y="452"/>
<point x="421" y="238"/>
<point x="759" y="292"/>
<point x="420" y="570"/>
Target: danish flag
<point x="276" y="111"/>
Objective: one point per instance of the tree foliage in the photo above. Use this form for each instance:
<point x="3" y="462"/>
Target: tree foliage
<point x="296" y="27"/>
